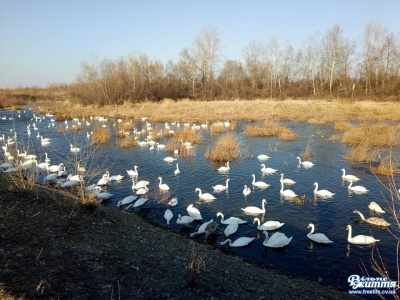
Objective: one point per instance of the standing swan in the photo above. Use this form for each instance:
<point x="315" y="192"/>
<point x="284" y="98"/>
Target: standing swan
<point x="205" y="196"/>
<point x="194" y="212"/>
<point x="277" y="240"/>
<point x="349" y="177"/>
<point x="287" y="193"/>
<point x="306" y="164"/>
<point x="372" y="220"/>
<point x="259" y="184"/>
<point x="220" y="187"/>
<point x="322" y="193"/>
<point x="254" y="209"/>
<point x="162" y="186"/>
<point x="360" y="239"/>
<point x="317" y="237"/>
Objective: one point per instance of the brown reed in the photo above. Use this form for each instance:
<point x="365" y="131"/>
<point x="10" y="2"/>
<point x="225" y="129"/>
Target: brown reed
<point x="127" y="142"/>
<point x="101" y="135"/>
<point x="386" y="167"/>
<point x="226" y="148"/>
<point x="271" y="129"/>
<point x="362" y="152"/>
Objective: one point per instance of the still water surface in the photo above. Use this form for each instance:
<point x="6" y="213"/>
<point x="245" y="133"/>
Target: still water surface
<point x="333" y="263"/>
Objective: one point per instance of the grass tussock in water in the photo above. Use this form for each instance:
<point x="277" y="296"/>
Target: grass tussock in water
<point x="226" y="148"/>
<point x="221" y="127"/>
<point x="185" y="142"/>
<point x="101" y="136"/>
<point x="271" y="129"/>
<point x="386" y="167"/>
<point x="127" y="126"/>
<point x="362" y="153"/>
<point x="127" y="142"/>
<point x="188" y="135"/>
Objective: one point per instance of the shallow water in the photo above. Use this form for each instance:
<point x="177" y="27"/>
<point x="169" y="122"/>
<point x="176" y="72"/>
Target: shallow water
<point x="333" y="263"/>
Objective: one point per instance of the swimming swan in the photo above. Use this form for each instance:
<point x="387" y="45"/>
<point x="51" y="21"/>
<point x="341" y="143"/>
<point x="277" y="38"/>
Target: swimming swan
<point x="169" y="159"/>
<point x="255" y="209"/>
<point x="231" y="229"/>
<point x="317" y="237"/>
<point x="230" y="220"/>
<point x="202" y="229"/>
<point x="372" y="220"/>
<point x="360" y="239"/>
<point x="133" y="172"/>
<point x="269" y="225"/>
<point x="177" y="171"/>
<point x="375" y="207"/>
<point x="194" y="212"/>
<point x="162" y="186"/>
<point x="224" y="169"/>
<point x="267" y="170"/>
<point x="306" y="164"/>
<point x="357" y="188"/>
<point x="205" y="196"/>
<point x="263" y="157"/>
<point x="349" y="177"/>
<point x="220" y="187"/>
<point x="240" y="242"/>
<point x="184" y="220"/>
<point x="277" y="240"/>
<point x="126" y="200"/>
<point x="246" y="191"/>
<point x="259" y="184"/>
<point x="287" y="180"/>
<point x="322" y="193"/>
<point x="287" y="193"/>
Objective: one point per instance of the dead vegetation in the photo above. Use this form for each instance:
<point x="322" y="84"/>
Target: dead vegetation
<point x="271" y="129"/>
<point x="226" y="148"/>
<point x="101" y="135"/>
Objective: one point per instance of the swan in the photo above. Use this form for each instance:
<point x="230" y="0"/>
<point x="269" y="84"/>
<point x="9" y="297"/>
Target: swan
<point x="220" y="187"/>
<point x="138" y="203"/>
<point x="259" y="184"/>
<point x="224" y="169"/>
<point x="263" y="157"/>
<point x="306" y="164"/>
<point x="184" y="219"/>
<point x="202" y="229"/>
<point x="67" y="183"/>
<point x="322" y="193"/>
<point x="55" y="168"/>
<point x="168" y="215"/>
<point x="210" y="229"/>
<point x="246" y="191"/>
<point x="255" y="209"/>
<point x="103" y="180"/>
<point x="126" y="200"/>
<point x="74" y="149"/>
<point x="99" y="194"/>
<point x="42" y="166"/>
<point x="142" y="191"/>
<point x="162" y="186"/>
<point x="50" y="177"/>
<point x="360" y="239"/>
<point x="116" y="177"/>
<point x="287" y="180"/>
<point x="349" y="177"/>
<point x="375" y="207"/>
<point x="169" y="159"/>
<point x="230" y="220"/>
<point x="74" y="177"/>
<point x="267" y="170"/>
<point x="133" y="172"/>
<point x="357" y="188"/>
<point x="231" y="229"/>
<point x="205" y="196"/>
<point x="287" y="193"/>
<point x="240" y="242"/>
<point x="177" y="171"/>
<point x="194" y="212"/>
<point x="317" y="237"/>
<point x="277" y="240"/>
<point x="141" y="184"/>
<point x="173" y="202"/>
<point x="269" y="225"/>
<point x="372" y="220"/>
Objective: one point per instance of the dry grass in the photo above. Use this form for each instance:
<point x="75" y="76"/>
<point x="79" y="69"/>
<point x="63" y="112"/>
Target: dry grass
<point x="196" y="264"/>
<point x="343" y="125"/>
<point x="101" y="136"/>
<point x="386" y="167"/>
<point x="308" y="153"/>
<point x="188" y="135"/>
<point x="271" y="129"/>
<point x="220" y="127"/>
<point x="75" y="128"/>
<point x="127" y="126"/>
<point x="362" y="153"/>
<point x="91" y="203"/>
<point x="226" y="148"/>
<point x="127" y="142"/>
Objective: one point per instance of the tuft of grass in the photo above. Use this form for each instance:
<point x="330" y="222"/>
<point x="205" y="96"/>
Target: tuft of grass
<point x="226" y="148"/>
<point x="271" y="129"/>
<point x="127" y="142"/>
<point x="127" y="126"/>
<point x="220" y="127"/>
<point x="101" y="136"/>
<point x="307" y="154"/>
<point x="386" y="167"/>
<point x="362" y="153"/>
<point x="91" y="203"/>
<point x="196" y="264"/>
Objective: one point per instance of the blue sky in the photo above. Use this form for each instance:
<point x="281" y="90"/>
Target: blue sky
<point x="44" y="42"/>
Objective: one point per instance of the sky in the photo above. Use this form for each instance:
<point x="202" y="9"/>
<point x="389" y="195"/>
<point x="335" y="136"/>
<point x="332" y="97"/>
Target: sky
<point x="45" y="41"/>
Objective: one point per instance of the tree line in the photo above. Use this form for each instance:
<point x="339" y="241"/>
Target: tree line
<point x="328" y="66"/>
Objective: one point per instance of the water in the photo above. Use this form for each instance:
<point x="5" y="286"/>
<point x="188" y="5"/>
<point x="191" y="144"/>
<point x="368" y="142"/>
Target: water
<point x="302" y="257"/>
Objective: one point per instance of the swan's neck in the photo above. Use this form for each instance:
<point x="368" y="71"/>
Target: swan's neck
<point x="351" y="183"/>
<point x="361" y="215"/>
<point x="344" y="172"/>
<point x="281" y="186"/>
<point x="316" y="187"/>
<point x="312" y="229"/>
<point x="349" y="235"/>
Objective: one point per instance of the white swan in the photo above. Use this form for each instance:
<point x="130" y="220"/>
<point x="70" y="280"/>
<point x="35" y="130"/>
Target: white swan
<point x="173" y="202"/>
<point x="205" y="196"/>
<point x="169" y="159"/>
<point x="162" y="186"/>
<point x="74" y="149"/>
<point x="55" y="168"/>
<point x="116" y="177"/>
<point x="349" y="177"/>
<point x="142" y="191"/>
<point x="184" y="220"/>
<point x="267" y="170"/>
<point x="137" y="203"/>
<point x="263" y="157"/>
<point x="322" y="193"/>
<point x="126" y="200"/>
<point x="246" y="191"/>
<point x="230" y="220"/>
<point x="357" y="188"/>
<point x="269" y="225"/>
<point x="255" y="209"/>
<point x="240" y="242"/>
<point x="220" y="187"/>
<point x="168" y="215"/>
<point x="231" y="229"/>
<point x="224" y="169"/>
<point x="259" y="184"/>
<point x="133" y="172"/>
<point x="287" y="193"/>
<point x="277" y="240"/>
<point x="360" y="239"/>
<point x="317" y="237"/>
<point x="375" y="207"/>
<point x="177" y="171"/>
<point x="201" y="229"/>
<point x="306" y="164"/>
<point x="372" y="220"/>
<point x="104" y="180"/>
<point x="141" y="184"/>
<point x="194" y="212"/>
<point x="160" y="146"/>
<point x="287" y="180"/>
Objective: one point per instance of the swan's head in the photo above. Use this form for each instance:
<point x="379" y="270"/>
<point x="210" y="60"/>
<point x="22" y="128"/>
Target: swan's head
<point x="159" y="178"/>
<point x="256" y="220"/>
<point x="348" y="227"/>
<point x="264" y="201"/>
<point x="262" y="165"/>
<point x="219" y="214"/>
<point x="315" y="183"/>
<point x="310" y="225"/>
<point x="197" y="190"/>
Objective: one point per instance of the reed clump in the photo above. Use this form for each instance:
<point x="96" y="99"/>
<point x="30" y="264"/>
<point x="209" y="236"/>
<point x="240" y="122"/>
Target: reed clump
<point x="101" y="136"/>
<point x="373" y="134"/>
<point x="188" y="135"/>
<point x="226" y="148"/>
<point x="362" y="152"/>
<point x="127" y="142"/>
<point x="385" y="167"/>
<point x="127" y="126"/>
<point x="220" y="127"/>
<point x="271" y="129"/>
